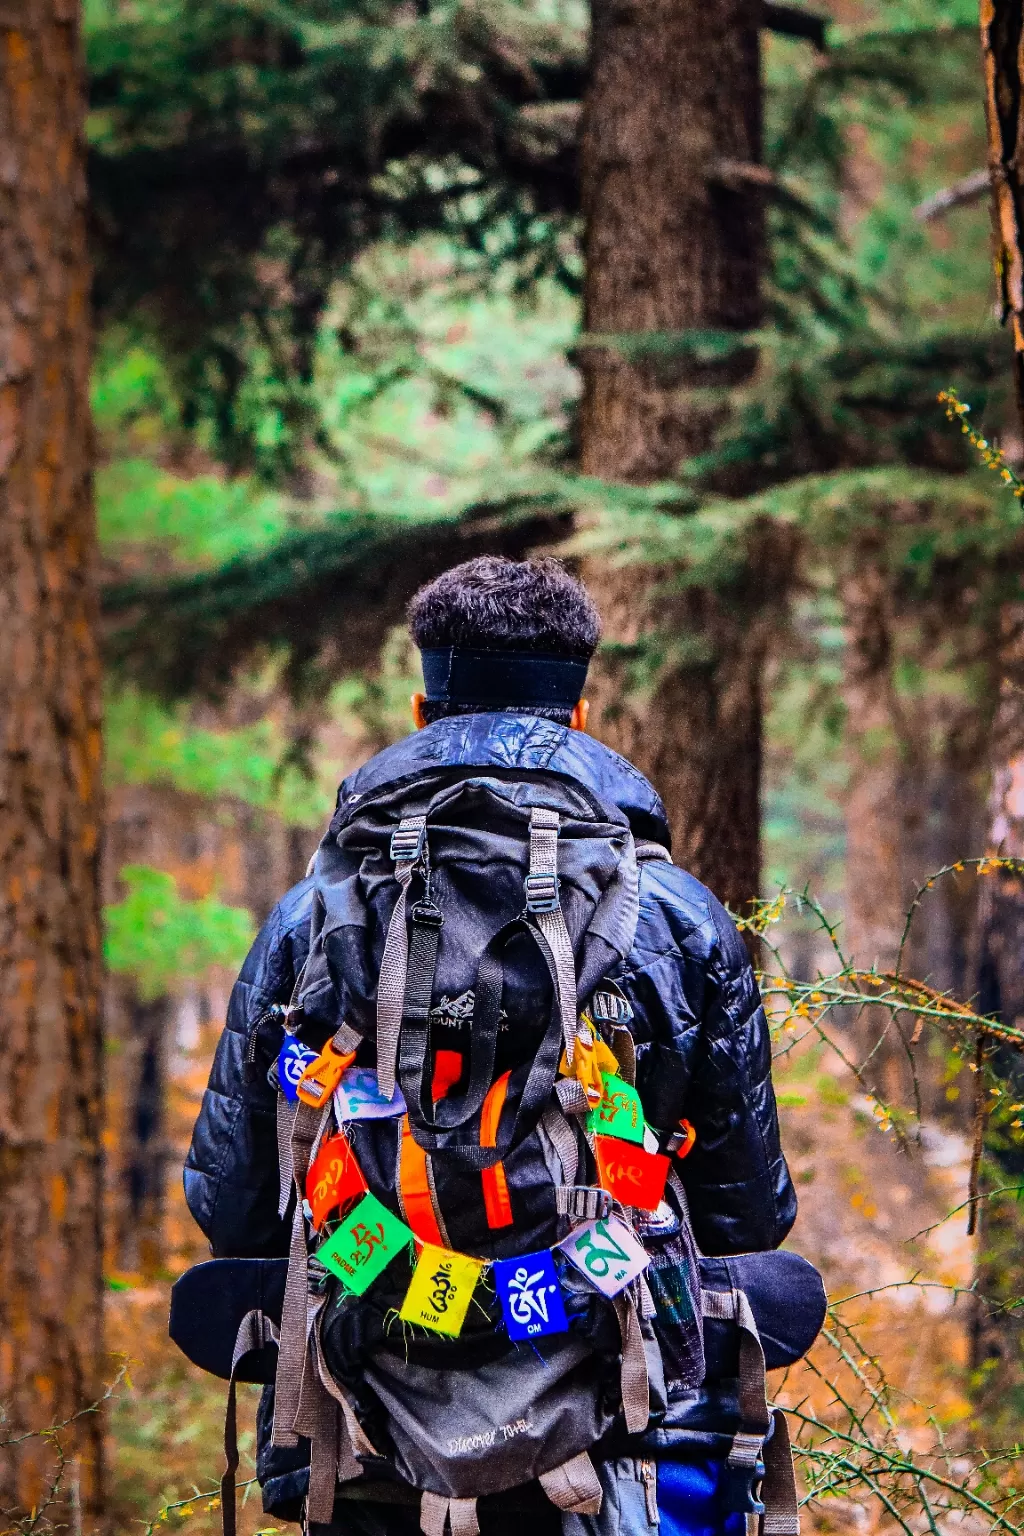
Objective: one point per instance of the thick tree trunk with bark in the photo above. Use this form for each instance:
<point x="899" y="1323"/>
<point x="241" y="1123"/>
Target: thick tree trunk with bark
<point x="1002" y="26"/>
<point x="51" y="1364"/>
<point x="674" y="243"/>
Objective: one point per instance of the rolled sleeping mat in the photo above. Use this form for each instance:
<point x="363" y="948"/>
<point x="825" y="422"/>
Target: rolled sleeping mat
<point x="788" y="1300"/>
<point x="786" y="1295"/>
<point x="208" y="1303"/>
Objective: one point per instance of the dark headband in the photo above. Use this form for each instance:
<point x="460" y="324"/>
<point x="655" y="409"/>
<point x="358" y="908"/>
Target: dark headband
<point x="504" y="679"/>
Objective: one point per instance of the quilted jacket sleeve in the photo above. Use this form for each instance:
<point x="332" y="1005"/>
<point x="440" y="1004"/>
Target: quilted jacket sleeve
<point x="231" y="1172"/>
<point x="705" y="1053"/>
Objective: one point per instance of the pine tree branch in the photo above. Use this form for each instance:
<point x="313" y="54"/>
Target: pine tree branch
<point x="347" y="582"/>
<point x="969" y="189"/>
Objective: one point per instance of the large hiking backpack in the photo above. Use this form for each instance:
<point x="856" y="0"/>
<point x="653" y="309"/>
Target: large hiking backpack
<point x="492" y="1269"/>
<point x="487" y="907"/>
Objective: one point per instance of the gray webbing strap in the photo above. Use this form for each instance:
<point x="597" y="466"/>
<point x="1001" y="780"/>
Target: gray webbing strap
<point x="323" y="1461"/>
<point x="254" y="1332"/>
<point x="583" y="1202"/>
<point x="648" y="1308"/>
<point x="321" y="1420"/>
<point x="285" y="1125"/>
<point x="733" y="1306"/>
<point x="572" y="1097"/>
<point x="542" y="905"/>
<point x="359" y="1443"/>
<point x="574" y="1486"/>
<point x="636" y="1387"/>
<point x="778" y="1490"/>
<point x="406" y="847"/>
<point x="562" y="1137"/>
<point x="307" y="1126"/>
<point x="433" y="1514"/>
<point x="624" y="1049"/>
<point x="437" y="1511"/>
<point x="288" y="1380"/>
<point x="749" y="1445"/>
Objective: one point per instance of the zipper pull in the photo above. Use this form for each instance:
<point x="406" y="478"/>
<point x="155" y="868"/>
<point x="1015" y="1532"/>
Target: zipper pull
<point x="649" y="1478"/>
<point x="274" y="1014"/>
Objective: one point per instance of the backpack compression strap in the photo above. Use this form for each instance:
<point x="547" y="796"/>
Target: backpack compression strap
<point x="408" y="846"/>
<point x="543" y="905"/>
<point x="254" y="1331"/>
<point x="763" y="1436"/>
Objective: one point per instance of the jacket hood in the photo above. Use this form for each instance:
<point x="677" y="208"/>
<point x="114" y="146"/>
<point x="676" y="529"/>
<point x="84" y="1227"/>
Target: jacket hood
<point x="512" y="741"/>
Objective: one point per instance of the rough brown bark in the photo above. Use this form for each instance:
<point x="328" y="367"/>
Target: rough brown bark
<point x="1002" y="22"/>
<point x="51" y="1364"/>
<point x="674" y="91"/>
<point x="674" y="245"/>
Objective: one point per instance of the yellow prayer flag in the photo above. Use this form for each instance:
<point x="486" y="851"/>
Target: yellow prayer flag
<point x="441" y="1289"/>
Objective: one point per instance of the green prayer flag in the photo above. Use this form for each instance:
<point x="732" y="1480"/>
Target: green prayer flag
<point x="364" y="1244"/>
<point x="619" y="1112"/>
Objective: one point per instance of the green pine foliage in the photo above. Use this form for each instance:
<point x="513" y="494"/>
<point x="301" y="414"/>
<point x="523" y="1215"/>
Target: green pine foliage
<point x="243" y="153"/>
<point x="163" y="941"/>
<point x="148" y="743"/>
<point x="424" y="410"/>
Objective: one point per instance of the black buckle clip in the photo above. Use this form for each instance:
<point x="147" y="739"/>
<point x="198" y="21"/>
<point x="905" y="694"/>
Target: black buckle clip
<point x="428" y="913"/>
<point x="408" y="843"/>
<point x="541" y="893"/>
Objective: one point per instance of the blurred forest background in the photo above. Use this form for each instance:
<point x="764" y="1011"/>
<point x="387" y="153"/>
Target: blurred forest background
<point x="375" y="291"/>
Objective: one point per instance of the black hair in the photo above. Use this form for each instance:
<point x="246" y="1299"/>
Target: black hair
<point x="496" y="604"/>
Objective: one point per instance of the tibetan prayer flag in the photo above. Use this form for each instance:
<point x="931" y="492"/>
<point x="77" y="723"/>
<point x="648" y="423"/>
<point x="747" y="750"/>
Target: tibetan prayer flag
<point x="292" y="1061"/>
<point x="358" y="1097"/>
<point x="369" y="1237"/>
<point x="619" y="1112"/>
<point x="607" y="1253"/>
<point x="334" y="1180"/>
<point x="531" y="1297"/>
<point x="441" y="1290"/>
<point x="635" y="1177"/>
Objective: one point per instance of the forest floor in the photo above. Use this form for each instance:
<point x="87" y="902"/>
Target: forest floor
<point x="864" y="1204"/>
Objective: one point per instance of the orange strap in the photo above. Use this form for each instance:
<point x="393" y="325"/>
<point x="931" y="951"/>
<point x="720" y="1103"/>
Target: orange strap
<point x="496" y="1198"/>
<point x="414" y="1189"/>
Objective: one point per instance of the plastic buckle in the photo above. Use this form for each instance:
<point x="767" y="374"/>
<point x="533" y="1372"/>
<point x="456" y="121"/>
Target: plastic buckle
<point x="428" y="913"/>
<point x="408" y="842"/>
<point x="609" y="1008"/>
<point x="541" y="893"/>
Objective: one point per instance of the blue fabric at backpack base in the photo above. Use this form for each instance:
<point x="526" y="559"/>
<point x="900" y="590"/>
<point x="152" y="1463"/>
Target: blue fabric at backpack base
<point x="692" y="1499"/>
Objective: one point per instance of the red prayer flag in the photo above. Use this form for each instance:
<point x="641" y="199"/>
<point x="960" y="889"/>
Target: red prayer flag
<point x="633" y="1176"/>
<point x="334" y="1179"/>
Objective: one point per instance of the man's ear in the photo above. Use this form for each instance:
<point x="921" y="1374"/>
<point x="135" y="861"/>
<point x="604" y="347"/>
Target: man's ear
<point x="419" y="718"/>
<point x="580" y="715"/>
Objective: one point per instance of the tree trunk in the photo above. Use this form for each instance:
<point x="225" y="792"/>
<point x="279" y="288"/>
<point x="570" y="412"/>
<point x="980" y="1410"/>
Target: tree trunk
<point x="997" y="1335"/>
<point x="51" y="1363"/>
<point x="674" y="246"/>
<point x="1001" y="37"/>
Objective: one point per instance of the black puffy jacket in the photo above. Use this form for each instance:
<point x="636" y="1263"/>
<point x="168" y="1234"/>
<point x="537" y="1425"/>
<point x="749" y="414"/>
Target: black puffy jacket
<point x="703" y="1048"/>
